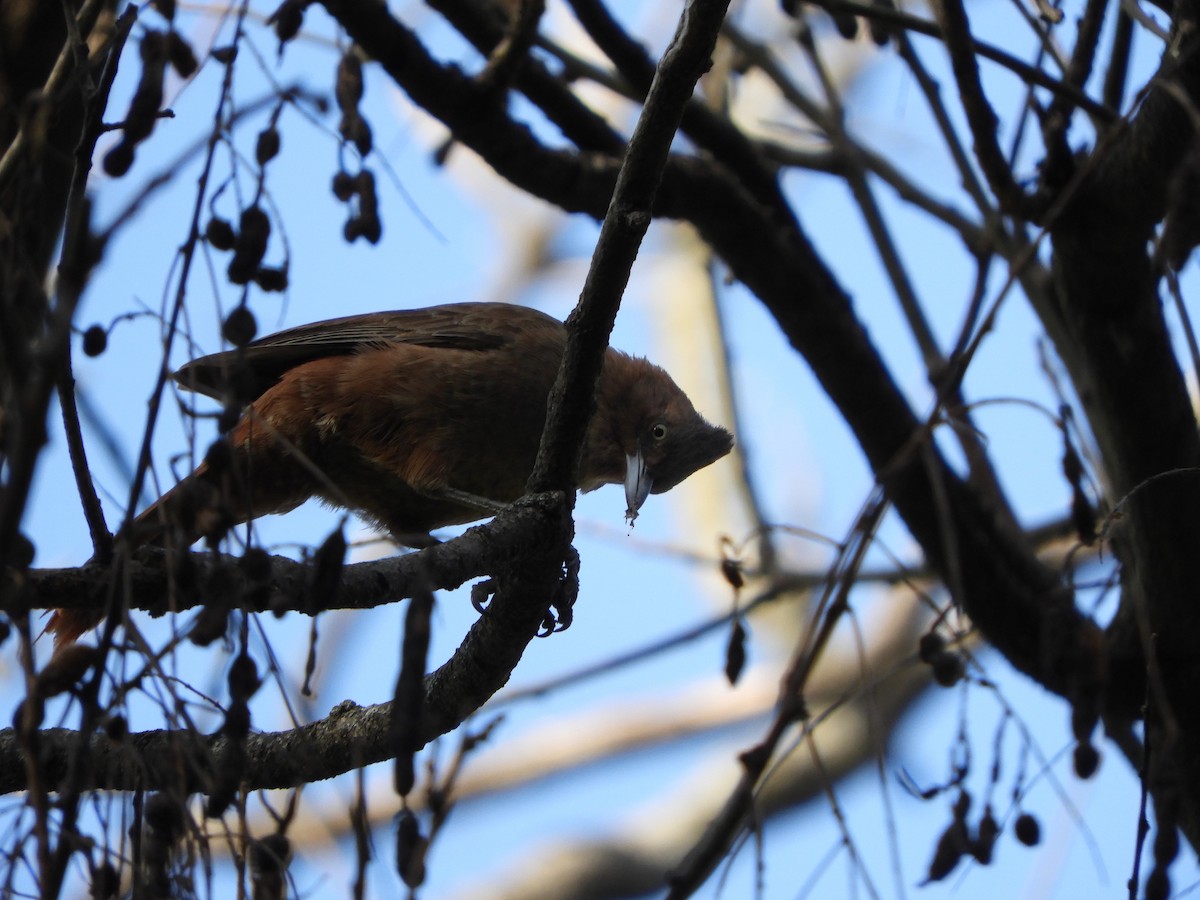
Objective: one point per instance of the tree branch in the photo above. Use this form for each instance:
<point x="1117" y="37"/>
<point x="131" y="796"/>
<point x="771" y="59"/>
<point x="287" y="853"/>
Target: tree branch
<point x="1020" y="605"/>
<point x="981" y="119"/>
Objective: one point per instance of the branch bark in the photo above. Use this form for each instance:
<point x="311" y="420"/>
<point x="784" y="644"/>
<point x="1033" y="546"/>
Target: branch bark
<point x="1107" y="324"/>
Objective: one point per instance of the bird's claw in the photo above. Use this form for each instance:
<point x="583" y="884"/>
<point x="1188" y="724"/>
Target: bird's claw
<point x="568" y="590"/>
<point x="481" y="595"/>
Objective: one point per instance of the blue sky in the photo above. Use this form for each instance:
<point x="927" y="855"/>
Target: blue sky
<point x="811" y="472"/>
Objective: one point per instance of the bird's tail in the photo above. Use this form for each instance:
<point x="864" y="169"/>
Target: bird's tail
<point x="151" y="528"/>
<point x="68" y="625"/>
<point x="205" y="505"/>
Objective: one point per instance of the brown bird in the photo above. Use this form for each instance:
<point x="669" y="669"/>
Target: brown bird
<point x="416" y="419"/>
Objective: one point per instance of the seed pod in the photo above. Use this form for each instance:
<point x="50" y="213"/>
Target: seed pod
<point x="327" y="566"/>
<point x="985" y="839"/>
<point x="846" y="24"/>
<point x="1166" y="844"/>
<point x="881" y="32"/>
<point x="243" y="677"/>
<point x="239" y="327"/>
<point x="271" y="279"/>
<point x="255" y="226"/>
<point x="182" y="57"/>
<point x="362" y="137"/>
<point x="95" y="340"/>
<point x="348" y="88"/>
<point x="354" y="128"/>
<point x="344" y="186"/>
<point x="948" y="668"/>
<point x="210" y="625"/>
<point x="411" y="847"/>
<point x="1086" y="759"/>
<point x="118" y="160"/>
<point x="1027" y="830"/>
<point x="1158" y="884"/>
<point x="951" y="847"/>
<point x="731" y="569"/>
<point x="287" y="19"/>
<point x="930" y="645"/>
<point x="219" y="234"/>
<point x="372" y="229"/>
<point x="368" y="207"/>
<point x="364" y="183"/>
<point x="254" y="230"/>
<point x="143" y="108"/>
<point x="267" y="146"/>
<point x="735" y="652"/>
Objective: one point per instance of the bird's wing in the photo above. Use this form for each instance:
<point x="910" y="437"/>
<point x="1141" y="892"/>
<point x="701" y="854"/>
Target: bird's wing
<point x="256" y="367"/>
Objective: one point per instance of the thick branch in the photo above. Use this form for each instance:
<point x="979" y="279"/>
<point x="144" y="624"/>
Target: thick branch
<point x="526" y="574"/>
<point x="151" y="585"/>
<point x="1106" y="320"/>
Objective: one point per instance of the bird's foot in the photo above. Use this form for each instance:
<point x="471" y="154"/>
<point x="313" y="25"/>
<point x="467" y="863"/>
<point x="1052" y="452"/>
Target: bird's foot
<point x="481" y="595"/>
<point x="561" y="613"/>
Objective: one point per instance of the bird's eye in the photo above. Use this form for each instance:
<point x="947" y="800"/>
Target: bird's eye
<point x="658" y="431"/>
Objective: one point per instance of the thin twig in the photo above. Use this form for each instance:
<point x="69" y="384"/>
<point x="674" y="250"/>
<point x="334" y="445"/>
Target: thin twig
<point x="981" y="118"/>
<point x="93" y="512"/>
<point x="837" y="160"/>
<point x="1020" y="68"/>
<point x="710" y="131"/>
<point x="790" y="708"/>
<point x="1058" y="117"/>
<point x="78" y="257"/>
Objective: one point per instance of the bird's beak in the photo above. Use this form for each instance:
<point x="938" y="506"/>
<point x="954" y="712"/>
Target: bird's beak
<point x="637" y="484"/>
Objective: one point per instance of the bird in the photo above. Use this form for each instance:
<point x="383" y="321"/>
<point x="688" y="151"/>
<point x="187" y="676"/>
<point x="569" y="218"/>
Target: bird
<point x="415" y="419"/>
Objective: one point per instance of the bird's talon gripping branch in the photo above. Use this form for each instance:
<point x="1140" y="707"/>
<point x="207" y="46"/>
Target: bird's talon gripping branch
<point x="380" y="413"/>
<point x="481" y="595"/>
<point x="567" y="592"/>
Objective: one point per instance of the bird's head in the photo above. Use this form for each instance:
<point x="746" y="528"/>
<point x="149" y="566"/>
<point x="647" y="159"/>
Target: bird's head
<point x="645" y="433"/>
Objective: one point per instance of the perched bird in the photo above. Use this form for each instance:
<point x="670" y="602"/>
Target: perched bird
<point x="416" y="419"/>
